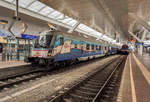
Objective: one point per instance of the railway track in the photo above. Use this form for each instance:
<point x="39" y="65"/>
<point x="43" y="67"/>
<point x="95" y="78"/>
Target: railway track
<point x="18" y="78"/>
<point x="97" y="87"/>
<point x="15" y="79"/>
<point x="9" y="81"/>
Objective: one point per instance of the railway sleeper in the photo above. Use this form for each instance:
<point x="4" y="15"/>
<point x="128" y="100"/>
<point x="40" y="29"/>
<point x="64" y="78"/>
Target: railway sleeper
<point x="94" y="83"/>
<point x="84" y="93"/>
<point x="88" y="89"/>
<point x="78" y="98"/>
<point x="96" y="80"/>
<point x="92" y="86"/>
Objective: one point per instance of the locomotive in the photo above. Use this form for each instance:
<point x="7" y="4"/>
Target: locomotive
<point x="57" y="47"/>
<point x="124" y="49"/>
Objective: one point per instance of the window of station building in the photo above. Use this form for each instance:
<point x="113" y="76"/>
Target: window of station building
<point x="88" y="46"/>
<point x="61" y="40"/>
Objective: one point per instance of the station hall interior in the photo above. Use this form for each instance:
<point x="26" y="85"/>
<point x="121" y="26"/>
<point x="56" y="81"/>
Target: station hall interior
<point x="74" y="51"/>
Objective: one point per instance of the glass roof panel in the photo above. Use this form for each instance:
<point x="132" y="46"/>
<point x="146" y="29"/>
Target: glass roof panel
<point x="25" y="3"/>
<point x="9" y="0"/>
<point x="50" y="16"/>
<point x="60" y="17"/>
<point x="72" y="23"/>
<point x="46" y="10"/>
<point x="36" y="6"/>
<point x="90" y="31"/>
<point x="65" y="20"/>
<point x="54" y="14"/>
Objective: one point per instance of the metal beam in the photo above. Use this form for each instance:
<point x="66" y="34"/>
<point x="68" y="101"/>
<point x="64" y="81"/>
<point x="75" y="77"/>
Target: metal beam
<point x="135" y="36"/>
<point x="141" y="21"/>
<point x="33" y="14"/>
<point x="143" y="36"/>
<point x="39" y="16"/>
<point x="17" y="8"/>
<point x="31" y="3"/>
<point x="132" y="25"/>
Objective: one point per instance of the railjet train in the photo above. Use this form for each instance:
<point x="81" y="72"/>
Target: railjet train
<point x="56" y="47"/>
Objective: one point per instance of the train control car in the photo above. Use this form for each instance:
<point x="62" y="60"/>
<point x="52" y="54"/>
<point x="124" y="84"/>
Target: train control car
<point x="124" y="49"/>
<point x="56" y="47"/>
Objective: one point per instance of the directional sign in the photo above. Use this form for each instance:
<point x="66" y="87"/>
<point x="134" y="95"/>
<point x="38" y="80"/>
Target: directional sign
<point x="25" y="36"/>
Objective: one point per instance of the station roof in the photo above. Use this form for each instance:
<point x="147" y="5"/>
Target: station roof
<point x="117" y="11"/>
<point x="91" y="14"/>
<point x="57" y="17"/>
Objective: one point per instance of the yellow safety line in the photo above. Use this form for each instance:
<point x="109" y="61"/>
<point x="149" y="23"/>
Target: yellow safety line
<point x="132" y="82"/>
<point x="143" y="69"/>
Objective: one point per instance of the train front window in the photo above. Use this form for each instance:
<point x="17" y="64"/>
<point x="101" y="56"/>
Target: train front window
<point x="43" y="41"/>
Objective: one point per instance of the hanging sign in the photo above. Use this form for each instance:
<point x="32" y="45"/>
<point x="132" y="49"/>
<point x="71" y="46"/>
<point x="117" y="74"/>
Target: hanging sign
<point x="25" y="36"/>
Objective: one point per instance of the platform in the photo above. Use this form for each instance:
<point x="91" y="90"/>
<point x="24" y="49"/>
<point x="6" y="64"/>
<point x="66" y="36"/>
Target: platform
<point x="135" y="83"/>
<point x="12" y="64"/>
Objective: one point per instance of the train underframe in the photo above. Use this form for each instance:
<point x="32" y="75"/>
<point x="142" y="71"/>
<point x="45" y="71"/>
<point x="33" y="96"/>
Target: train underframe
<point x="49" y="62"/>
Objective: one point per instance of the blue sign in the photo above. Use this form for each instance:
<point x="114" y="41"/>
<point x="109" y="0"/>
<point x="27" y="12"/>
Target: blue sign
<point x="25" y="36"/>
<point x="138" y="44"/>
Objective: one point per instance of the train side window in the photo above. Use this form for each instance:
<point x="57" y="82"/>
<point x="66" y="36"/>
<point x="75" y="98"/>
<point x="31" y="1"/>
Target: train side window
<point x="92" y="47"/>
<point x="96" y="47"/>
<point x="99" y="47"/>
<point x="88" y="46"/>
<point x="61" y="40"/>
<point x="75" y="46"/>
